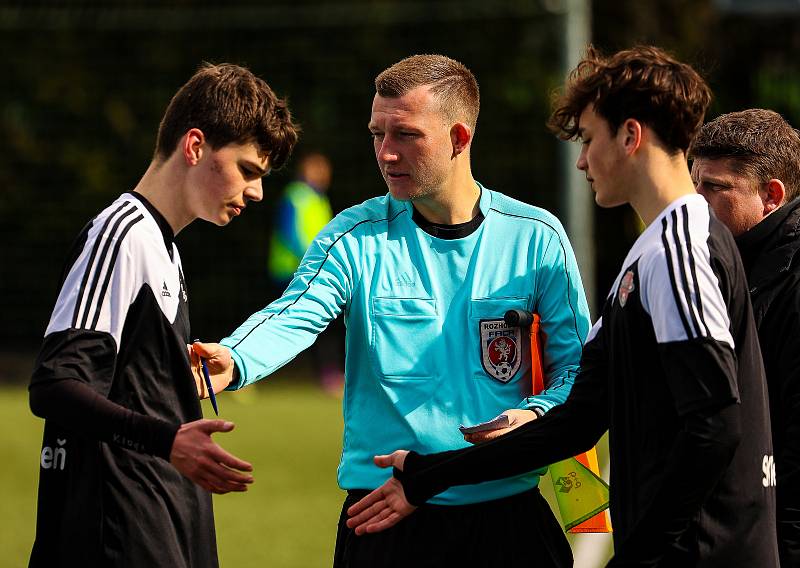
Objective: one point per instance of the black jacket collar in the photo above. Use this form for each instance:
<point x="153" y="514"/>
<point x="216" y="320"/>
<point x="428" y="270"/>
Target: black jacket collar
<point x="768" y="249"/>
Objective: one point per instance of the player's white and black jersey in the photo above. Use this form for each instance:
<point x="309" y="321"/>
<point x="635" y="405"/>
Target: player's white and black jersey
<point x="677" y="337"/>
<point x="673" y="370"/>
<point x="108" y="495"/>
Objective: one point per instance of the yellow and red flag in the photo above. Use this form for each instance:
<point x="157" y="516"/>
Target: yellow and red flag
<point x="581" y="493"/>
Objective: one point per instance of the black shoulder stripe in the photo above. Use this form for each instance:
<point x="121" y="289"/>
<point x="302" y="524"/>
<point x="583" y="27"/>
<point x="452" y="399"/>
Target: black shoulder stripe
<point x="564" y="251"/>
<point x="697" y="293"/>
<point x="109" y="237"/>
<point x="684" y="277"/>
<point x="672" y="282"/>
<point x="110" y="270"/>
<point x="90" y="264"/>
<point x="327" y="255"/>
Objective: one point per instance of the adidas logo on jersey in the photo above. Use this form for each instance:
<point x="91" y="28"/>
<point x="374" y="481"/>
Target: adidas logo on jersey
<point x="165" y="291"/>
<point x="404" y="280"/>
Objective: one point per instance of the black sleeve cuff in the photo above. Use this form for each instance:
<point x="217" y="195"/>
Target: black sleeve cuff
<point x="416" y="493"/>
<point x="163" y="436"/>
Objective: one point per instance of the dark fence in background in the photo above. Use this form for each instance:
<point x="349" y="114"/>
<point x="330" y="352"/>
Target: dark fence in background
<point x="85" y="83"/>
<point x="85" y="86"/>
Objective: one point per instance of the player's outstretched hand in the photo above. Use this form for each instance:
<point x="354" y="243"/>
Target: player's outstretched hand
<point x="384" y="507"/>
<point x="199" y="458"/>
<point x="219" y="362"/>
<point x="516" y="418"/>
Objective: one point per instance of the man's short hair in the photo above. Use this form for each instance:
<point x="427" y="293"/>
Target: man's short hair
<point x="231" y="106"/>
<point x="643" y="83"/>
<point x="758" y="143"/>
<point x="451" y="82"/>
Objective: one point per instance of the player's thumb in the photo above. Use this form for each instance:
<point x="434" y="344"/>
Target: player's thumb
<point x="217" y="426"/>
<point x="384" y="461"/>
<point x="396" y="459"/>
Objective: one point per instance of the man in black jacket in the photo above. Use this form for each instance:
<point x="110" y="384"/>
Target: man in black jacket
<point x="747" y="166"/>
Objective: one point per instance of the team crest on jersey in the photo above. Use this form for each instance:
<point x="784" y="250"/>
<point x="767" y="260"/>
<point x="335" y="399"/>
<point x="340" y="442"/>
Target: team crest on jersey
<point x="500" y="349"/>
<point x="626" y="286"/>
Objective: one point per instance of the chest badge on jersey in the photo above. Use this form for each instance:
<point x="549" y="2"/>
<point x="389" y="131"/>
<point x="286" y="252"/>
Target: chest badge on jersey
<point x="626" y="286"/>
<point x="500" y="349"/>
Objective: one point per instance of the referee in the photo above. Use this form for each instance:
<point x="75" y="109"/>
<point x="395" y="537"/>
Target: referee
<point x="127" y="461"/>
<point x="424" y="276"/>
<point x="672" y="368"/>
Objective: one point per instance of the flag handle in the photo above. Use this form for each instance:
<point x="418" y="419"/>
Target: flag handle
<point x="600" y="522"/>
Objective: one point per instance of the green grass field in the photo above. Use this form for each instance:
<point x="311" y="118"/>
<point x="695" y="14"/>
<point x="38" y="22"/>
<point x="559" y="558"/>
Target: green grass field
<point x="289" y="430"/>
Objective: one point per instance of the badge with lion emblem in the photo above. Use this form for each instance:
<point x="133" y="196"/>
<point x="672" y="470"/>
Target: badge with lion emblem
<point x="500" y="349"/>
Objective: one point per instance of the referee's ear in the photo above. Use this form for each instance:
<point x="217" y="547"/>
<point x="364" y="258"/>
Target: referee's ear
<point x="460" y="137"/>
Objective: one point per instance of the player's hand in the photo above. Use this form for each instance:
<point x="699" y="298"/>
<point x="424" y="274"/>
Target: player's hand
<point x="219" y="362"/>
<point x="199" y="458"/>
<point x="516" y="418"/>
<point x="384" y="507"/>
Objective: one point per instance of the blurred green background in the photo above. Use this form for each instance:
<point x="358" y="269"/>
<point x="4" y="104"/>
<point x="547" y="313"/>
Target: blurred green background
<point x="84" y="85"/>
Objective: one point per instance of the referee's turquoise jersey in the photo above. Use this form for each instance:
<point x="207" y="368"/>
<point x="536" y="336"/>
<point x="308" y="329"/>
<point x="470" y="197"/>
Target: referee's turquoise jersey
<point x="427" y="348"/>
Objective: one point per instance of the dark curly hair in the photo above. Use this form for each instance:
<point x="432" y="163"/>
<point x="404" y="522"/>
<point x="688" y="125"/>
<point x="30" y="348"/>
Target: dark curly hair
<point x="644" y="83"/>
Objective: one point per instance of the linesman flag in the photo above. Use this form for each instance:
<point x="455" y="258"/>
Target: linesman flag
<point x="581" y="494"/>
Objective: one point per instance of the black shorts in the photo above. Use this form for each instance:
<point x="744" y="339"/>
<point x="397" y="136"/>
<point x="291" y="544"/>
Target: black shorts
<point x="514" y="531"/>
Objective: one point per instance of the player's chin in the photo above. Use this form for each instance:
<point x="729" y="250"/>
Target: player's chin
<point x="607" y="201"/>
<point x="221" y="220"/>
<point x="224" y="217"/>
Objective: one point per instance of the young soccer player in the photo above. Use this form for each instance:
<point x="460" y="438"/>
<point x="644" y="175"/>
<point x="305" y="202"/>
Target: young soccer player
<point x="671" y="368"/>
<point x="127" y="461"/>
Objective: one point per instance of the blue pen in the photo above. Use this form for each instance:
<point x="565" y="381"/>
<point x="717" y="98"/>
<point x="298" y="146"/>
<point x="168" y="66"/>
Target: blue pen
<point x="209" y="386"/>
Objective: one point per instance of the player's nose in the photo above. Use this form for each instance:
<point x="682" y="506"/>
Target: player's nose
<point x="581" y="162"/>
<point x="254" y="191"/>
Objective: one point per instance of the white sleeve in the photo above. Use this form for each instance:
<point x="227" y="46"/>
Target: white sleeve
<point x="680" y="290"/>
<point x="100" y="286"/>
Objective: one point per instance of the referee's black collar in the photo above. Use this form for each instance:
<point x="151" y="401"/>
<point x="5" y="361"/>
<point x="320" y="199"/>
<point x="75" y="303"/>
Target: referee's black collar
<point x="447" y="232"/>
<point x="166" y="230"/>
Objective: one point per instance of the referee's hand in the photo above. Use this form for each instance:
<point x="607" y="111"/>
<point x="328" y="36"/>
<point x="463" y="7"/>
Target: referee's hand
<point x="199" y="458"/>
<point x="516" y="418"/>
<point x="219" y="362"/>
